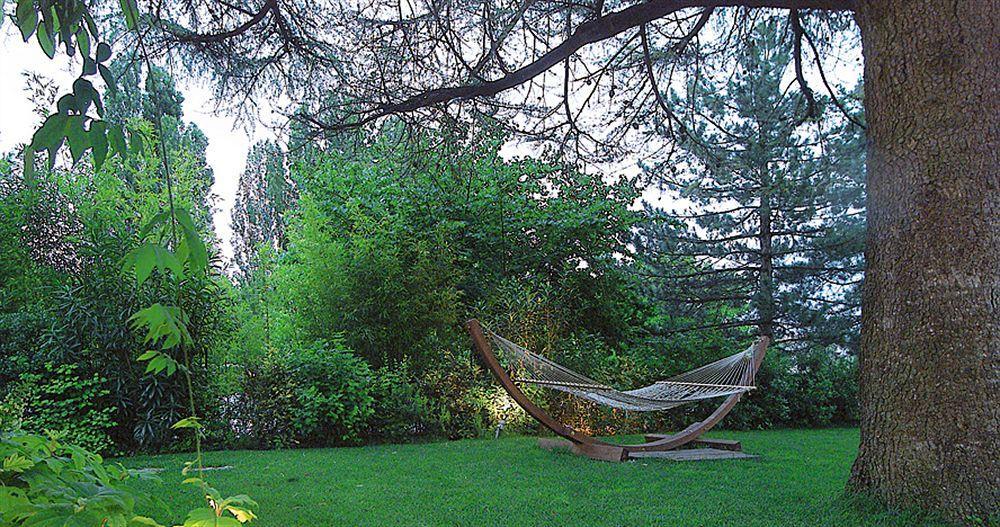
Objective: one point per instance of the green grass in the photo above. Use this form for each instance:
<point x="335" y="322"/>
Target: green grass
<point x="798" y="480"/>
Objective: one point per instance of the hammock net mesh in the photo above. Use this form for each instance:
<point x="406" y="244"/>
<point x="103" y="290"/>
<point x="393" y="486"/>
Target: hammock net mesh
<point x="727" y="376"/>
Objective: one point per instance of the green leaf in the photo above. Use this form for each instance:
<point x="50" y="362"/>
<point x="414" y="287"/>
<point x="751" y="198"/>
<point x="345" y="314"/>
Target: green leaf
<point x="159" y="219"/>
<point x="50" y="135"/>
<point x="165" y="260"/>
<point x="109" y="78"/>
<point x="77" y="136"/>
<point x="17" y="463"/>
<point x="83" y="41"/>
<point x="103" y="52"/>
<point x="140" y="521"/>
<point x="131" y="12"/>
<point x="187" y="422"/>
<point x="148" y="355"/>
<point x="45" y="40"/>
<point x="87" y="94"/>
<point x="116" y="139"/>
<point x="145" y="260"/>
<point x="27" y="18"/>
<point x="99" y="142"/>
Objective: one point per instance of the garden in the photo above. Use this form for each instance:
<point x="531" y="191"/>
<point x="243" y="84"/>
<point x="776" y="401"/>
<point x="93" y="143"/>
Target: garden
<point x="296" y="350"/>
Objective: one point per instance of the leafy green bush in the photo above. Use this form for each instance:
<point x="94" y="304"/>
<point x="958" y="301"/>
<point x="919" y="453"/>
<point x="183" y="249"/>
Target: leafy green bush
<point x="60" y="401"/>
<point x="817" y="387"/>
<point x="46" y="482"/>
<point x="262" y="413"/>
<point x="332" y="393"/>
<point x="401" y="412"/>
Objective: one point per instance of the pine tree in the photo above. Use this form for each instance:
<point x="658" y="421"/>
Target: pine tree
<point x="776" y="221"/>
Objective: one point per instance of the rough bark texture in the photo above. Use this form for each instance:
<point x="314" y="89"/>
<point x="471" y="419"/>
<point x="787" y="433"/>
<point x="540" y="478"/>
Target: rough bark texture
<point x="930" y="349"/>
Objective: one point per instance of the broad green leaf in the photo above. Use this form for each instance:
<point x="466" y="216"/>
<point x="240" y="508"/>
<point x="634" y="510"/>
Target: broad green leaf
<point x="87" y="94"/>
<point x="27" y="18"/>
<point x="131" y="12"/>
<point x="2" y="17"/>
<point x="99" y="142"/>
<point x="148" y="355"/>
<point x="165" y="260"/>
<point x="187" y="422"/>
<point x="116" y="139"/>
<point x="145" y="260"/>
<point x="45" y="40"/>
<point x="109" y="78"/>
<point x="77" y="136"/>
<point x="140" y="521"/>
<point x="103" y="52"/>
<point x="91" y="25"/>
<point x="50" y="135"/>
<point x="83" y="40"/>
<point x="157" y="220"/>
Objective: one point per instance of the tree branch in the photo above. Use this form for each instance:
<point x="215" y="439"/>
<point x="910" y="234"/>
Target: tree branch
<point x="592" y="31"/>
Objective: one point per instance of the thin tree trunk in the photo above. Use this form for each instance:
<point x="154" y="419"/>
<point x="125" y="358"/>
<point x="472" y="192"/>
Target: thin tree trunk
<point x="766" y="279"/>
<point x="930" y="343"/>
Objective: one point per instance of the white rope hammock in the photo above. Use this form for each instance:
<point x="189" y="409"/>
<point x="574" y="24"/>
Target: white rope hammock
<point x="724" y="377"/>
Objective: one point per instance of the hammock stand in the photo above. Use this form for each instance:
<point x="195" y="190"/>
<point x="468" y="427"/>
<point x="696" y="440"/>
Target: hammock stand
<point x="586" y="445"/>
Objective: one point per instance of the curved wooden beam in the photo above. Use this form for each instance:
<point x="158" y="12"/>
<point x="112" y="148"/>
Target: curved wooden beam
<point x="585" y="444"/>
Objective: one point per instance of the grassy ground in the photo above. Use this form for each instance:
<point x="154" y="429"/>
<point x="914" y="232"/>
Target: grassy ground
<point x="798" y="480"/>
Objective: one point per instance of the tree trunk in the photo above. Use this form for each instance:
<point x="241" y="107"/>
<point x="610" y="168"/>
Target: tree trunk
<point x="930" y="343"/>
<point x="766" y="279"/>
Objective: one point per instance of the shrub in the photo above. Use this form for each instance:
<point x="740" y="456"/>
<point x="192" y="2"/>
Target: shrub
<point x="401" y="412"/>
<point x="332" y="394"/>
<point x="263" y="412"/>
<point x="458" y="398"/>
<point x="45" y="481"/>
<point x="60" y="401"/>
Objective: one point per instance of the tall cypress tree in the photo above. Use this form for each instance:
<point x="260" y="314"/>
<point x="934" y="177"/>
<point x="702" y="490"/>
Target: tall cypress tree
<point x="265" y="194"/>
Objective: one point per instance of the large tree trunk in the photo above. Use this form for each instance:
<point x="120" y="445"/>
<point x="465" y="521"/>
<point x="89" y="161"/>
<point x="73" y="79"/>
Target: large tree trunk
<point x="930" y="343"/>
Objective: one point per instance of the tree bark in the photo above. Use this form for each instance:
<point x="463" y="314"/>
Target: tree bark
<point x="766" y="279"/>
<point x="930" y="343"/>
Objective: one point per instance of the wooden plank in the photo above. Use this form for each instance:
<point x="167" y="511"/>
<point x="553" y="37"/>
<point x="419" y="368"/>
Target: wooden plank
<point x="692" y="454"/>
<point x="703" y="442"/>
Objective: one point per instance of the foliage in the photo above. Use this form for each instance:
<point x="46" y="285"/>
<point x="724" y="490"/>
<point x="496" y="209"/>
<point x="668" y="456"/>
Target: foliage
<point x="60" y="401"/>
<point x="332" y="394"/>
<point x="400" y="410"/>
<point x="264" y="197"/>
<point x="777" y="215"/>
<point x="44" y="481"/>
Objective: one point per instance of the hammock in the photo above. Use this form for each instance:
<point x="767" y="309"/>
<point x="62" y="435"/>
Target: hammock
<point x="728" y="376"/>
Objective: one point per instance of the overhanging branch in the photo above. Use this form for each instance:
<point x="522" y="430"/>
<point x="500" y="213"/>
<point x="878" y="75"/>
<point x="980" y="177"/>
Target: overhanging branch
<point x="592" y="31"/>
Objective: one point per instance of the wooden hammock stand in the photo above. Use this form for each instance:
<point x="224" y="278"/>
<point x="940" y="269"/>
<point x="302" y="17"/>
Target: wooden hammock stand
<point x="586" y="445"/>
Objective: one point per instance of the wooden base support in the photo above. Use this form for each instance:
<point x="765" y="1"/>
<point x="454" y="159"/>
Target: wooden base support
<point x="702" y="442"/>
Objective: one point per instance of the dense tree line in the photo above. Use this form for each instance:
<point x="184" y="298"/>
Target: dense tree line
<point x="356" y="264"/>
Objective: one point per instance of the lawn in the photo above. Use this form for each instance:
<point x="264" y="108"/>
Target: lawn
<point x="798" y="480"/>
